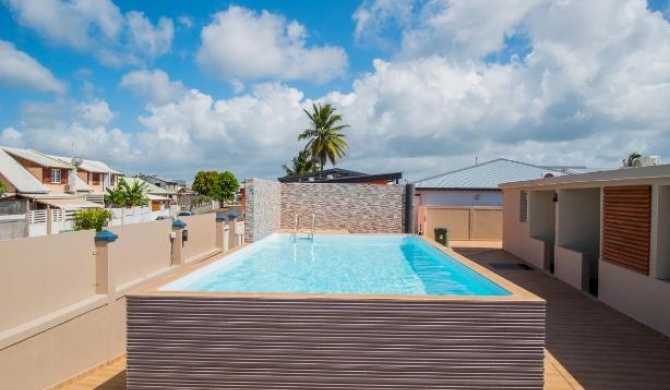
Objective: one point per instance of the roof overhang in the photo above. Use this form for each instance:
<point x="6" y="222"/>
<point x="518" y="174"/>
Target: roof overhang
<point x="65" y="202"/>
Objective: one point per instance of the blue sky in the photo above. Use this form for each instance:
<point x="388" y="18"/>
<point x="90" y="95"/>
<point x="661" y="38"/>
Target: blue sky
<point x="172" y="87"/>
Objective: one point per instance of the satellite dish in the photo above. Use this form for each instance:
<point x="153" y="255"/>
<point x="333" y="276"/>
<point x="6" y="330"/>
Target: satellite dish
<point x="77" y="161"/>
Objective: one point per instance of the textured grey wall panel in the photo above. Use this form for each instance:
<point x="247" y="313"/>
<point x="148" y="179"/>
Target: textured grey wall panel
<point x="262" y="208"/>
<point x="359" y="208"/>
<point x="264" y="343"/>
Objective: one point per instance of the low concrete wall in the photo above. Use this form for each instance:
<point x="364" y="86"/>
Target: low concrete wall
<point x="358" y="208"/>
<point x="42" y="275"/>
<point x="201" y="236"/>
<point x="64" y="309"/>
<point x="641" y="297"/>
<point x="143" y="249"/>
<point x="465" y="223"/>
<point x="571" y="267"/>
<point x="260" y="342"/>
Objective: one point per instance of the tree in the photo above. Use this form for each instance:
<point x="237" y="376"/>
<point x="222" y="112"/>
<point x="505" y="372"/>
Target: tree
<point x="126" y="195"/>
<point x="3" y="189"/>
<point x="302" y="163"/>
<point x="86" y="219"/>
<point x="228" y="185"/>
<point x="326" y="141"/>
<point x="206" y="183"/>
<point x="628" y="162"/>
<point x="218" y="185"/>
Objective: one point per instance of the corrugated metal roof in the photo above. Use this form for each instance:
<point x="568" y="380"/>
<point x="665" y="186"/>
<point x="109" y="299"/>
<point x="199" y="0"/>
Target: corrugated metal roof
<point x="487" y="175"/>
<point x="19" y="177"/>
<point x="37" y="157"/>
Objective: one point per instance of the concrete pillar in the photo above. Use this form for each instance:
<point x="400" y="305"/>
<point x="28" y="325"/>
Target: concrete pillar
<point x="220" y="231"/>
<point x="105" y="282"/>
<point x="177" y="243"/>
<point x="49" y="221"/>
<point x="409" y="209"/>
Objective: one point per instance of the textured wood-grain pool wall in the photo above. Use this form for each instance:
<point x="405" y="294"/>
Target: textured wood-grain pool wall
<point x="232" y="342"/>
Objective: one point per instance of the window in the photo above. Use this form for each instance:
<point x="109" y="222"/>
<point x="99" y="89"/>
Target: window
<point x="55" y="175"/>
<point x="96" y="178"/>
<point x="523" y="207"/>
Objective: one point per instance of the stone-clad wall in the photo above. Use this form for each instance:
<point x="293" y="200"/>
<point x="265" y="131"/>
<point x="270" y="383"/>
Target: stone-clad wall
<point x="358" y="208"/>
<point x="262" y="208"/>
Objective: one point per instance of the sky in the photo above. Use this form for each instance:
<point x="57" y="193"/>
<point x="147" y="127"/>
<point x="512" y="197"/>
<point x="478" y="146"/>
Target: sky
<point x="427" y="86"/>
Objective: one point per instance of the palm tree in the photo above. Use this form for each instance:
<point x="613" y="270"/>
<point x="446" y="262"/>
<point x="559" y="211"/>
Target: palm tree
<point x="628" y="162"/>
<point x="302" y="163"/>
<point x="326" y="141"/>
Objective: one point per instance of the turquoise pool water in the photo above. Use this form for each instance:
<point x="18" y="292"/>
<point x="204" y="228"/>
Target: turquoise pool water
<point x="339" y="264"/>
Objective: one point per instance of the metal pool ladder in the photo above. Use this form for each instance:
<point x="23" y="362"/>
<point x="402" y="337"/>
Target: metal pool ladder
<point x="295" y="230"/>
<point x="313" y="224"/>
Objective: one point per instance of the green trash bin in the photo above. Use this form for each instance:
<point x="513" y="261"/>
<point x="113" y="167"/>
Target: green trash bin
<point x="442" y="235"/>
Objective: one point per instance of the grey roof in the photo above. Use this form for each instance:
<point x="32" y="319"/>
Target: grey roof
<point x="37" y="157"/>
<point x="487" y="175"/>
<point x="19" y="177"/>
<point x="151" y="188"/>
<point x="90" y="165"/>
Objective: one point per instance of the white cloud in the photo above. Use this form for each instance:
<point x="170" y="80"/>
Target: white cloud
<point x="70" y="23"/>
<point x="71" y="127"/>
<point x="147" y="39"/>
<point x="240" y="44"/>
<point x="96" y="26"/>
<point x="18" y="69"/>
<point x="593" y="87"/>
<point x="185" y="21"/>
<point x="9" y="136"/>
<point x="252" y="133"/>
<point x="95" y="112"/>
<point x="154" y="86"/>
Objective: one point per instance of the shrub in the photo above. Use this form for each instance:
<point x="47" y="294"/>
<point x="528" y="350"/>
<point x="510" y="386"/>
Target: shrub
<point x="86" y="219"/>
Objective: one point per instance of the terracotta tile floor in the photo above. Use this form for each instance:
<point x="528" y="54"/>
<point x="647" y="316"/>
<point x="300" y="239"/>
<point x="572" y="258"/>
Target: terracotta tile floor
<point x="589" y="345"/>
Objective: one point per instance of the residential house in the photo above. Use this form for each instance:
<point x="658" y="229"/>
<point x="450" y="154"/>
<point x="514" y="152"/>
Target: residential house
<point x="159" y="198"/>
<point x="338" y="175"/>
<point x="604" y="233"/>
<point x="97" y="176"/>
<point x="169" y="185"/>
<point x="43" y="193"/>
<point x="468" y="201"/>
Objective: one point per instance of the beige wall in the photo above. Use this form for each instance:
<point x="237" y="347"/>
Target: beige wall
<point x="542" y="215"/>
<point x="516" y="235"/>
<point x="465" y="223"/>
<point x="142" y="249"/>
<point x="578" y="225"/>
<point x="40" y="275"/>
<point x="644" y="298"/>
<point x="54" y="326"/>
<point x="201" y="236"/>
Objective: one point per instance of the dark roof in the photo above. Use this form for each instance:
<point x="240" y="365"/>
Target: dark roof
<point x="339" y="175"/>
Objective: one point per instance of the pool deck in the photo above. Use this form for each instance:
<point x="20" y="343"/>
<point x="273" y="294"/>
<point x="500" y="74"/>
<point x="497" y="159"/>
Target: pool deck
<point x="589" y="345"/>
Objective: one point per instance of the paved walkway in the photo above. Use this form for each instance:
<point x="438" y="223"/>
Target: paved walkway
<point x="589" y="345"/>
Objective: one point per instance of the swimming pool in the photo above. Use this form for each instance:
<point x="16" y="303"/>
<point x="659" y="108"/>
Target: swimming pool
<point x="346" y="312"/>
<point x="340" y="264"/>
